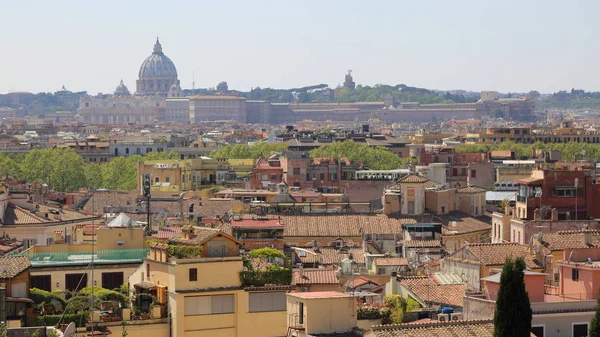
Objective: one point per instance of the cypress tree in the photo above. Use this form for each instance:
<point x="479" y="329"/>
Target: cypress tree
<point x="512" y="317"/>
<point x="595" y="325"/>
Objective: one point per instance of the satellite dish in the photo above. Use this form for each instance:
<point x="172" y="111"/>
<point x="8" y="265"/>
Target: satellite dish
<point x="69" y="330"/>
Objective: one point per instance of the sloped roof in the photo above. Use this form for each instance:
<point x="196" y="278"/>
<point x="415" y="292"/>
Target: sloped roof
<point x="11" y="266"/>
<point x="562" y="240"/>
<point x="360" y="282"/>
<point x="430" y="291"/>
<point x="342" y="225"/>
<point x="315" y="276"/>
<point x="476" y="328"/>
<point x="166" y="233"/>
<point x="491" y="254"/>
<point x="122" y="221"/>
<point x="413" y="178"/>
<point x="422" y="243"/>
<point x="390" y="261"/>
<point x="331" y="255"/>
<point x="201" y="235"/>
<point x="460" y="223"/>
<point x="471" y="190"/>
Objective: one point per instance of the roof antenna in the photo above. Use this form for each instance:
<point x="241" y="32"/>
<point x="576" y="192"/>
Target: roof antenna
<point x="193" y="83"/>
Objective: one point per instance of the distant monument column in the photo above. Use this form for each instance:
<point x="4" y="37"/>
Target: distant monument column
<point x="348" y="82"/>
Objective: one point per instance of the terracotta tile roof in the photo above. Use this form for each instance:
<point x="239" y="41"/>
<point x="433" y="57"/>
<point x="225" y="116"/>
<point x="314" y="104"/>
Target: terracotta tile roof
<point x="413" y="178"/>
<point x="361" y="281"/>
<point x="159" y="245"/>
<point x="471" y="189"/>
<point x="315" y="276"/>
<point x="593" y="264"/>
<point x="390" y="261"/>
<point x="201" y="235"/>
<point x="15" y="215"/>
<point x="478" y="328"/>
<point x="256" y="224"/>
<point x="11" y="266"/>
<point x="330" y="255"/>
<point x="422" y="243"/>
<point x="90" y="229"/>
<point x="460" y="223"/>
<point x="166" y="233"/>
<point x="341" y="225"/>
<point x="562" y="240"/>
<point x="491" y="254"/>
<point x="429" y="291"/>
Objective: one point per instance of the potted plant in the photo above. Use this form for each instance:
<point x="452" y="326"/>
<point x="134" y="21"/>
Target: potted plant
<point x="137" y="313"/>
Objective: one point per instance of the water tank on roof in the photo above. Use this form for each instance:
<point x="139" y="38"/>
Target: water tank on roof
<point x="447" y="310"/>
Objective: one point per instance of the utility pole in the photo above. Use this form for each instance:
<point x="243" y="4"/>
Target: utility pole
<point x="147" y="193"/>
<point x="576" y="195"/>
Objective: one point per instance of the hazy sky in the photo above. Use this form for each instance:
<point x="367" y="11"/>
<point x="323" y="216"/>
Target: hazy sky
<point x="514" y="46"/>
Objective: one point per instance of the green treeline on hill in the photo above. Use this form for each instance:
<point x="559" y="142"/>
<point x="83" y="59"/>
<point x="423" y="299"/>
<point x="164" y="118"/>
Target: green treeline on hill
<point x="568" y="151"/>
<point x="64" y="170"/>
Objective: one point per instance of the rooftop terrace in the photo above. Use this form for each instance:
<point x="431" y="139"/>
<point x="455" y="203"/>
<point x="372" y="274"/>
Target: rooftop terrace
<point x="84" y="257"/>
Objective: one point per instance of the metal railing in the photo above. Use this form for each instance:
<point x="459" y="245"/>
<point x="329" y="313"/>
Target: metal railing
<point x="80" y="256"/>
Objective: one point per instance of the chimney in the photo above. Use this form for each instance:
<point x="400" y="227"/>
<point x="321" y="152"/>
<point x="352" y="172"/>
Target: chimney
<point x="301" y="272"/>
<point x="507" y="209"/>
<point x="536" y="214"/>
<point x="554" y="215"/>
<point x="586" y="238"/>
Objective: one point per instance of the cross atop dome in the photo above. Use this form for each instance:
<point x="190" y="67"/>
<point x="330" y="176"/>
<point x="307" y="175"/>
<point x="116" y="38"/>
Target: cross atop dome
<point x="157" y="47"/>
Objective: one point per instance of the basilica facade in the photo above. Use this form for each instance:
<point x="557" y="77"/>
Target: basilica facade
<point x="157" y="79"/>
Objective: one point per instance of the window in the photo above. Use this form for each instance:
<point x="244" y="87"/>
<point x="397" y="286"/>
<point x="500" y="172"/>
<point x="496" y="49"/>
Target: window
<point x="473" y="173"/>
<point x="322" y="176"/>
<point x="519" y="237"/>
<point x="556" y="275"/>
<point x="260" y="302"/>
<point x="580" y="330"/>
<point x="273" y="177"/>
<point x="209" y="305"/>
<point x="565" y="192"/>
<point x="296" y="170"/>
<point x="167" y="179"/>
<point x="411" y="192"/>
<point x="193" y="274"/>
<point x="575" y="274"/>
<point x="28" y="243"/>
<point x="157" y="180"/>
<point x="301" y="314"/>
<point x="411" y="207"/>
<point x="296" y="184"/>
<point x="74" y="282"/>
<point x="443" y="209"/>
<point x="43" y="282"/>
<point x="148" y="271"/>
<point x="112" y="280"/>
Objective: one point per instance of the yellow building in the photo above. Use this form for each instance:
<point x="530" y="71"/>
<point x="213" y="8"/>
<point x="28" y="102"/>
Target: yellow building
<point x="204" y="294"/>
<point x="316" y="313"/>
<point x="184" y="175"/>
<point x="117" y="252"/>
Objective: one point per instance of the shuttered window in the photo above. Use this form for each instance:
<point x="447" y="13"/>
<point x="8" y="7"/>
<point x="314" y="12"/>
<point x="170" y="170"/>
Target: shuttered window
<point x="43" y="282"/>
<point x="112" y="280"/>
<point x="272" y="301"/>
<point x="209" y="305"/>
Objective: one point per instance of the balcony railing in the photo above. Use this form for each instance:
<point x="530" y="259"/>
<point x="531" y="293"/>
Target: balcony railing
<point x="123" y="255"/>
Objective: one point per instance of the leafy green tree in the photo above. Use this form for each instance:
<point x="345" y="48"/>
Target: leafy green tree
<point x="377" y="158"/>
<point x="62" y="169"/>
<point x="512" y="317"/>
<point x="120" y="173"/>
<point x="244" y="151"/>
<point x="595" y="324"/>
<point x="164" y="155"/>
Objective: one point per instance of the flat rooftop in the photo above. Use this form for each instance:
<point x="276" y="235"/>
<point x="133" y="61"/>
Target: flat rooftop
<point x="122" y="256"/>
